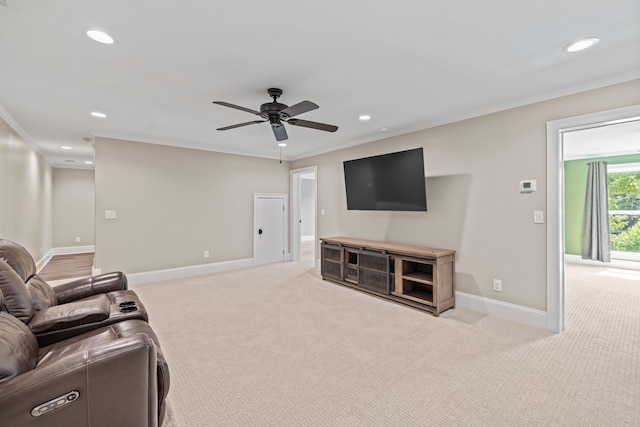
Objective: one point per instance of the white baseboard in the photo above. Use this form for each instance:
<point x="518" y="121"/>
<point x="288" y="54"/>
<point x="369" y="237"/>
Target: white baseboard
<point x="72" y="250"/>
<point x="505" y="310"/>
<point x="190" y="271"/>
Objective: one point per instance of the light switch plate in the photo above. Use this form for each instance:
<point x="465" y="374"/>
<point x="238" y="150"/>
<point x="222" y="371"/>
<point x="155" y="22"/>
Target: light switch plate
<point x="538" y="217"/>
<point x="109" y="214"/>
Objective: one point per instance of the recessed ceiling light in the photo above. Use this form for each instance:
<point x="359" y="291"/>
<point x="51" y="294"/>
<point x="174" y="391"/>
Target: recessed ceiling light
<point x="364" y="117"/>
<point x="383" y="129"/>
<point x="88" y="162"/>
<point x="282" y="144"/>
<point x="100" y="37"/>
<point x="98" y="114"/>
<point x="582" y="44"/>
<point x="66" y="147"/>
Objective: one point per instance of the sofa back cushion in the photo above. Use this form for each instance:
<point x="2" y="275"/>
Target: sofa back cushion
<point x="18" y="258"/>
<point x="42" y="294"/>
<point x="18" y="348"/>
<point x="17" y="299"/>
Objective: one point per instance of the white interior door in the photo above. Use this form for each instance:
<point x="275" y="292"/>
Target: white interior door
<point x="270" y="213"/>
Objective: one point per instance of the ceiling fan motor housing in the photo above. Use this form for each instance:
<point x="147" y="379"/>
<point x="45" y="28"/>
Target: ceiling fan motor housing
<point x="271" y="109"/>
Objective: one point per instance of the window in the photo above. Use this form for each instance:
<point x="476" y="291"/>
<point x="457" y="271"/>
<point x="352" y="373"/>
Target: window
<point x="624" y="210"/>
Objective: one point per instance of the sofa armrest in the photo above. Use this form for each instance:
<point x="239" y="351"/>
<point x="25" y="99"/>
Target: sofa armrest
<point x="88" y="286"/>
<point x="116" y="385"/>
<point x="65" y="316"/>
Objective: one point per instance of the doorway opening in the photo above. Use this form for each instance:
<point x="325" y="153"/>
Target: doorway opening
<point x="304" y="215"/>
<point x="557" y="131"/>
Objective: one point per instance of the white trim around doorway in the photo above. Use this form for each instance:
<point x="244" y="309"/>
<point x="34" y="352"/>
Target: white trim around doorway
<point x="555" y="201"/>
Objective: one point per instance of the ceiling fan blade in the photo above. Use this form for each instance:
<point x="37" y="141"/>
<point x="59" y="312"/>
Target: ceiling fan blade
<point x="237" y="107"/>
<point x="279" y="131"/>
<point x="241" y="124"/>
<point x="299" y="108"/>
<point x="313" y="125"/>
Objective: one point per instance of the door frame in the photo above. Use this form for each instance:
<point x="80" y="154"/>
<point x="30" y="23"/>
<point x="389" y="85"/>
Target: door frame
<point x="295" y="175"/>
<point x="555" y="201"/>
<point x="285" y="199"/>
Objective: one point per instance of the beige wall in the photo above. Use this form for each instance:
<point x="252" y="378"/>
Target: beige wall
<point x="172" y="204"/>
<point x="73" y="207"/>
<point x="473" y="169"/>
<point x="25" y="194"/>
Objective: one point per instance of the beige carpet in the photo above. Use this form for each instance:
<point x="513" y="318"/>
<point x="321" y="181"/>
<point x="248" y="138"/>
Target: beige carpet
<point x="277" y="346"/>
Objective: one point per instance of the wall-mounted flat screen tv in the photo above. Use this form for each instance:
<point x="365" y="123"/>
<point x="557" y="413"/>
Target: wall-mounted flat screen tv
<point x="389" y="182"/>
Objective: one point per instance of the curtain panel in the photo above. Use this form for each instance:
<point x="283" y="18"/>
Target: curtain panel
<point x="596" y="243"/>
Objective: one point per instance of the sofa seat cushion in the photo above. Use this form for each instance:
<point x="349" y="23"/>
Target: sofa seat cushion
<point x="18" y="347"/>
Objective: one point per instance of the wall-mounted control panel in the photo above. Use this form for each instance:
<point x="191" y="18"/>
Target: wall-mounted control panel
<point x="528" y="186"/>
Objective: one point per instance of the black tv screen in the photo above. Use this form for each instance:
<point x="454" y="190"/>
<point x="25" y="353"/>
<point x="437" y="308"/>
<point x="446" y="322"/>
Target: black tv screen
<point x="389" y="182"/>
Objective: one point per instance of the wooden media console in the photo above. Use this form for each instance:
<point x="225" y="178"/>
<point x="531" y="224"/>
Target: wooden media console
<point x="416" y="276"/>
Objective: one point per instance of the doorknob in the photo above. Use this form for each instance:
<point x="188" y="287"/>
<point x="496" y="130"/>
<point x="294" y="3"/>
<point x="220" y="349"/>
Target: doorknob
<point x="260" y="231"/>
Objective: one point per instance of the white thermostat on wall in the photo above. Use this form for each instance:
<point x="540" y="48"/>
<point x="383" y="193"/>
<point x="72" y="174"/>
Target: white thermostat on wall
<point x="528" y="186"/>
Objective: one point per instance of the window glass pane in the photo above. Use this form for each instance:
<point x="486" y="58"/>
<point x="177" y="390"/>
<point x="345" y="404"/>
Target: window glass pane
<point x="624" y="208"/>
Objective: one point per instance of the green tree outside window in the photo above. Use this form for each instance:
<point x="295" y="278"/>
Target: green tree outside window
<point x="624" y="195"/>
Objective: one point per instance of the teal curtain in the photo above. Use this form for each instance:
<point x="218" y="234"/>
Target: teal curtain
<point x="596" y="243"/>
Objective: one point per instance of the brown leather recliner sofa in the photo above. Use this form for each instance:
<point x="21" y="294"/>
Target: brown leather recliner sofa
<point x="110" y="376"/>
<point x="91" y="331"/>
<point x="67" y="310"/>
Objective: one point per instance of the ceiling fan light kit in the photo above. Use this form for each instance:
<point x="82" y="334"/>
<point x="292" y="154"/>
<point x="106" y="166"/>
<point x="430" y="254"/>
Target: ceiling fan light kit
<point x="277" y="114"/>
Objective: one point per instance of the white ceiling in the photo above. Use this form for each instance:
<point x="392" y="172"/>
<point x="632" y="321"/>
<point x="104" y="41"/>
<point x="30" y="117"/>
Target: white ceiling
<point x="409" y="64"/>
<point x="613" y="139"/>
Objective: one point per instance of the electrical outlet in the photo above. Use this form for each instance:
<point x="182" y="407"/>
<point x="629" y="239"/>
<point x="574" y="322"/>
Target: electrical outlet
<point x="206" y="254"/>
<point x="77" y="240"/>
<point x="497" y="285"/>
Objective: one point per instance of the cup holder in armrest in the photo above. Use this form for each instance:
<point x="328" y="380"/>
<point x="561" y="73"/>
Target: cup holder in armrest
<point x="128" y="308"/>
<point x="127" y="304"/>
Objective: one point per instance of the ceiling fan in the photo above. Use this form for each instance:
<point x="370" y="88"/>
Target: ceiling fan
<point x="277" y="114"/>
